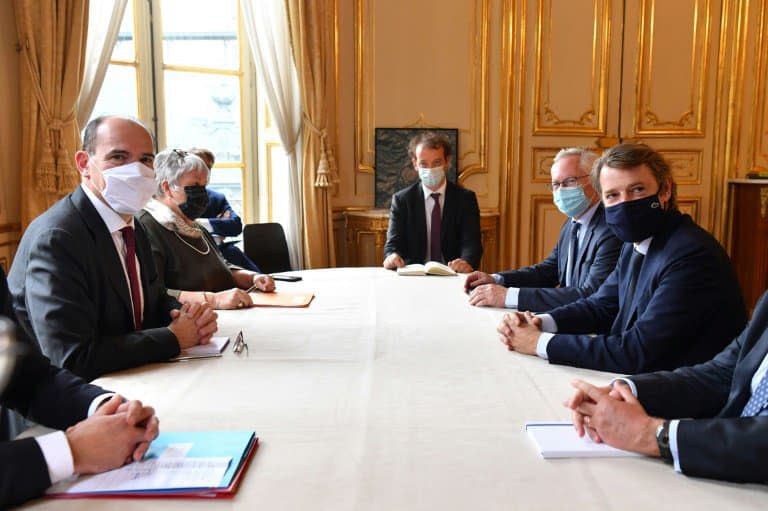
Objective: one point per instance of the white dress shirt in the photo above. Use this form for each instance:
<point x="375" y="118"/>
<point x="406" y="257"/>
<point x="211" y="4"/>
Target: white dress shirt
<point x="55" y="447"/>
<point x="429" y="205"/>
<point x="114" y="222"/>
<point x="513" y="293"/>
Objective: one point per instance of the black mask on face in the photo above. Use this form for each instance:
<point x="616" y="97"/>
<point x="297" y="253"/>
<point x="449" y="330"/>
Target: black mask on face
<point x="197" y="201"/>
<point x="636" y="220"/>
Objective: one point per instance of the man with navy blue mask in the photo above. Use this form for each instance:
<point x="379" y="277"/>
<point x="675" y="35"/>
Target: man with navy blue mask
<point x="585" y="254"/>
<point x="654" y="310"/>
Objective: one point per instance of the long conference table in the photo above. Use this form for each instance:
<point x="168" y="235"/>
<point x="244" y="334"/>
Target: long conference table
<point x="392" y="392"/>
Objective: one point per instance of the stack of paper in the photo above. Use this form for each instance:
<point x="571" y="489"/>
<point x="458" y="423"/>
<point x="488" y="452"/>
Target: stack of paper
<point x="194" y="464"/>
<point x="559" y="440"/>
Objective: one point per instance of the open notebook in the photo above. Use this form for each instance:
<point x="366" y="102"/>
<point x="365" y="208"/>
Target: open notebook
<point x="430" y="268"/>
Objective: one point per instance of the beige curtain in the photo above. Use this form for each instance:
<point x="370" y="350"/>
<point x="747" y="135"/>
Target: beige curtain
<point x="311" y="23"/>
<point x="52" y="36"/>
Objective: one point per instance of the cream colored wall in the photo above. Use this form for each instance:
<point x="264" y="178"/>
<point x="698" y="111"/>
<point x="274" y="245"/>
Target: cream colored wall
<point x="10" y="135"/>
<point x="429" y="63"/>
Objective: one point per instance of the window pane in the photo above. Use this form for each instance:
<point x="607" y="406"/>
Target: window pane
<point x="118" y="92"/>
<point x="203" y="110"/>
<point x="200" y="33"/>
<point x="125" y="48"/>
<point x="230" y="183"/>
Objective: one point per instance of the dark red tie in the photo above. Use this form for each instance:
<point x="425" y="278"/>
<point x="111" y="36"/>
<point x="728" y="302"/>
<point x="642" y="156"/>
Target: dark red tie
<point x="435" y="252"/>
<point x="133" y="277"/>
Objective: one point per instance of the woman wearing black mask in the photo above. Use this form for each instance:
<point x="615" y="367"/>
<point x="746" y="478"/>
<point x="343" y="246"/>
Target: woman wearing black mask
<point x="185" y="254"/>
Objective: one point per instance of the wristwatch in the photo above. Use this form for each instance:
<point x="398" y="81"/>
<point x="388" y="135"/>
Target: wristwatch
<point x="662" y="440"/>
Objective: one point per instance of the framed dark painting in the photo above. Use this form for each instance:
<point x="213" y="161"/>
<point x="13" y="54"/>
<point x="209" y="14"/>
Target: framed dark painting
<point x="394" y="169"/>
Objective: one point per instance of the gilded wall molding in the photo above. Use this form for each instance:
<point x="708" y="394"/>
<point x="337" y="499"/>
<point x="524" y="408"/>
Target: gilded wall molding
<point x="365" y="116"/>
<point x="592" y="120"/>
<point x="687" y="165"/>
<point x="690" y="121"/>
<point x="760" y="148"/>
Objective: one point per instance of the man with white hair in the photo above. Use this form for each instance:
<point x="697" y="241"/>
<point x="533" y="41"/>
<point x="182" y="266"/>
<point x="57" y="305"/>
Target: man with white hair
<point x="585" y="254"/>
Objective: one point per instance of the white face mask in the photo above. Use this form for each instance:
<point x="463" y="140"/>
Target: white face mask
<point x="432" y="177"/>
<point x="129" y="187"/>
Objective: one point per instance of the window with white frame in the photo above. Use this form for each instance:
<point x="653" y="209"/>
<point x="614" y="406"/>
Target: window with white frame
<point x="184" y="68"/>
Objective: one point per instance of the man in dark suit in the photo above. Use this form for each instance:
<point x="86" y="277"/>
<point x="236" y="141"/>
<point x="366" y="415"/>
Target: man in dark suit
<point x="102" y="431"/>
<point x="709" y="420"/>
<point x="83" y="281"/>
<point x="654" y="311"/>
<point x="221" y="220"/>
<point x="584" y="256"/>
<point x="434" y="219"/>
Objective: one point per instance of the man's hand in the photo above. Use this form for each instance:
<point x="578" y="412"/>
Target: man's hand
<point x="234" y="298"/>
<point x="475" y="279"/>
<point x="460" y="266"/>
<point x="393" y="261"/>
<point x="136" y="414"/>
<point x="193" y="324"/>
<point x="489" y="295"/>
<point x="520" y="332"/>
<point x="263" y="283"/>
<point x="616" y="417"/>
<point x="116" y="434"/>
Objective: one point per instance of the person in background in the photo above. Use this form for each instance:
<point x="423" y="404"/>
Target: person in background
<point x="585" y="254"/>
<point x="221" y="221"/>
<point x="185" y="253"/>
<point x="434" y="219"/>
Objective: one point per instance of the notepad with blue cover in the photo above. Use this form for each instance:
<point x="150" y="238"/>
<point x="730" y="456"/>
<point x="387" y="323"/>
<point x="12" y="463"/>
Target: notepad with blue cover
<point x="237" y="446"/>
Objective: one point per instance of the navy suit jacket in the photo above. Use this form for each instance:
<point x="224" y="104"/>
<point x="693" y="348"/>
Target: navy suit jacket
<point x="71" y="295"/>
<point x="686" y="280"/>
<point x="51" y="396"/>
<point x="717" y="443"/>
<point x="217" y="205"/>
<point x="459" y="228"/>
<point x="542" y="286"/>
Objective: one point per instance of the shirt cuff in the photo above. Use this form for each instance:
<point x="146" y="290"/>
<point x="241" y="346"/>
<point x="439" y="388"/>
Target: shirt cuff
<point x="673" y="444"/>
<point x="629" y="383"/>
<point x="498" y="279"/>
<point x="511" y="301"/>
<point x="205" y="223"/>
<point x="97" y="401"/>
<point x="541" y="346"/>
<point x="548" y="323"/>
<point x="57" y="455"/>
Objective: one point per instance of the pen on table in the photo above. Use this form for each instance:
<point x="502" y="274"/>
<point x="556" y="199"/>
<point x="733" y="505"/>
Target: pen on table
<point x="252" y="289"/>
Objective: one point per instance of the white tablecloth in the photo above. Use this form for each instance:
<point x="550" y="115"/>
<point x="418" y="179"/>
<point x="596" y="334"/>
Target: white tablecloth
<point x="393" y="392"/>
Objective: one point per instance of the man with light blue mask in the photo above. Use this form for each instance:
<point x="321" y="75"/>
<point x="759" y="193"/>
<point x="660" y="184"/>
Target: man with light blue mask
<point x="655" y="310"/>
<point x="433" y="219"/>
<point x="585" y="254"/>
<point x="84" y="282"/>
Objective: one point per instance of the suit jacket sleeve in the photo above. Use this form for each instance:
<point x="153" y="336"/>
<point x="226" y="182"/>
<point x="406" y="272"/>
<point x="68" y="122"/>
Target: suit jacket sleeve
<point x="23" y="472"/>
<point x="397" y="230"/>
<point x="471" y="246"/>
<point x="65" y="318"/>
<point x="547" y="297"/>
<point x="683" y="297"/>
<point x="231" y="226"/>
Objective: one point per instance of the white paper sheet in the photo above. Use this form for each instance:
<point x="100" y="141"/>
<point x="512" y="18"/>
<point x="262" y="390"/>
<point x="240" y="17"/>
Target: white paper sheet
<point x="559" y="440"/>
<point x="154" y="474"/>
